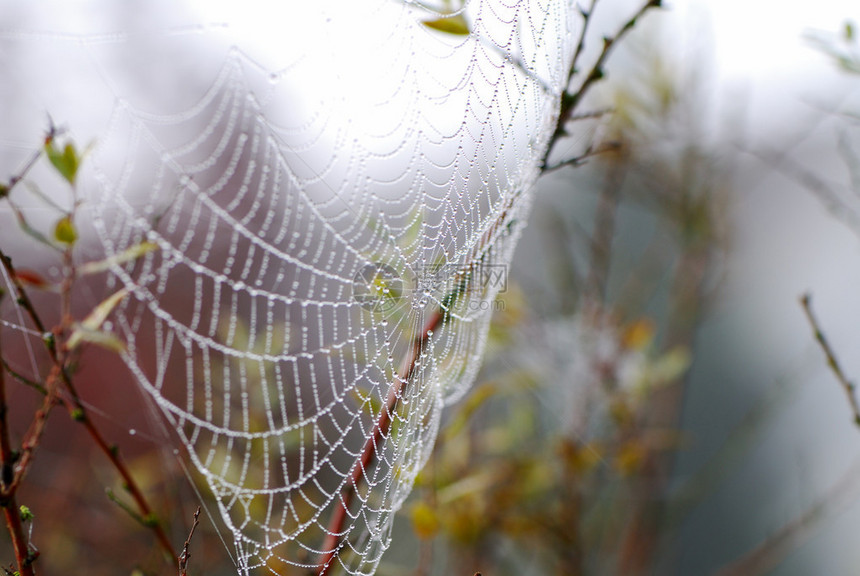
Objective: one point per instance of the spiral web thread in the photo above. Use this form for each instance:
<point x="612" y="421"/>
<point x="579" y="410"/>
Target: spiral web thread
<point x="324" y="260"/>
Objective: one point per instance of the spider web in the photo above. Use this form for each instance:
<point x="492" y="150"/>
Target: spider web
<point x="333" y="228"/>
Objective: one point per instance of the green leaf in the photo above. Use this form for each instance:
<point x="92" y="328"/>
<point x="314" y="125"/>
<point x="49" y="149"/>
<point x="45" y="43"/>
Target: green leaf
<point x="65" y="231"/>
<point x="66" y="162"/>
<point x="127" y="255"/>
<point x="849" y="31"/>
<point x="455" y="25"/>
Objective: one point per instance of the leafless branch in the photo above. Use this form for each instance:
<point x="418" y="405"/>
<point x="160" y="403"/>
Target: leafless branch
<point x="590" y="152"/>
<point x="186" y="555"/>
<point x="11" y="512"/>
<point x="847" y="386"/>
<point x="571" y="100"/>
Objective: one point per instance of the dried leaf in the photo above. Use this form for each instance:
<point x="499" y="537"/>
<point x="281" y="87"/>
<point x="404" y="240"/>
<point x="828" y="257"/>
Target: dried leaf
<point x="31" y="278"/>
<point x="128" y="255"/>
<point x="96" y="318"/>
<point x="98" y="337"/>
<point x="89" y="329"/>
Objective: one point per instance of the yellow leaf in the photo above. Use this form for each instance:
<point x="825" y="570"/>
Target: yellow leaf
<point x="132" y="253"/>
<point x="89" y="329"/>
<point x="630" y="458"/>
<point x="639" y="335"/>
<point x="96" y="318"/>
<point x="65" y="231"/>
<point x="97" y="337"/>
<point x="425" y="522"/>
<point x="455" y="25"/>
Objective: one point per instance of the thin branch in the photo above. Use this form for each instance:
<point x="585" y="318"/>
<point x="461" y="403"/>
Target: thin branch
<point x="34" y="434"/>
<point x="37" y="386"/>
<point x="578" y="161"/>
<point x="73" y="403"/>
<point x="594" y="114"/>
<point x="570" y="100"/>
<point x="22" y="297"/>
<point x="847" y="386"/>
<point x="186" y="555"/>
<point x="52" y="133"/>
<point x="11" y="512"/>
<point x="78" y="411"/>
<point x="566" y="105"/>
<point x="580" y="44"/>
<point x="596" y="73"/>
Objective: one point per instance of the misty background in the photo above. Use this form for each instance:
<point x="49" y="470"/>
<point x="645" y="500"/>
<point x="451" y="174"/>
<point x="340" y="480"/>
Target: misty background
<point x="745" y="86"/>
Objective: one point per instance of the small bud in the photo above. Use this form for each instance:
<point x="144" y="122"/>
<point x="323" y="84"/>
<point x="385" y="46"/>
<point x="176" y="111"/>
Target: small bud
<point x="150" y="520"/>
<point x="49" y="340"/>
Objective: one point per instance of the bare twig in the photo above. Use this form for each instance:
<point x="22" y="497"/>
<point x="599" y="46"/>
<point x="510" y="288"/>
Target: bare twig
<point x="596" y="73"/>
<point x="51" y="133"/>
<point x="78" y="411"/>
<point x="37" y="386"/>
<point x="571" y="100"/>
<point x="186" y="555"/>
<point x="847" y="386"/>
<point x="577" y="161"/>
<point x="34" y="434"/>
<point x="11" y="512"/>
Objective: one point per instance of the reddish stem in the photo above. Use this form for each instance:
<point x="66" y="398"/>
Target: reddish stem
<point x="331" y="546"/>
<point x="72" y="401"/>
<point x="11" y="512"/>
